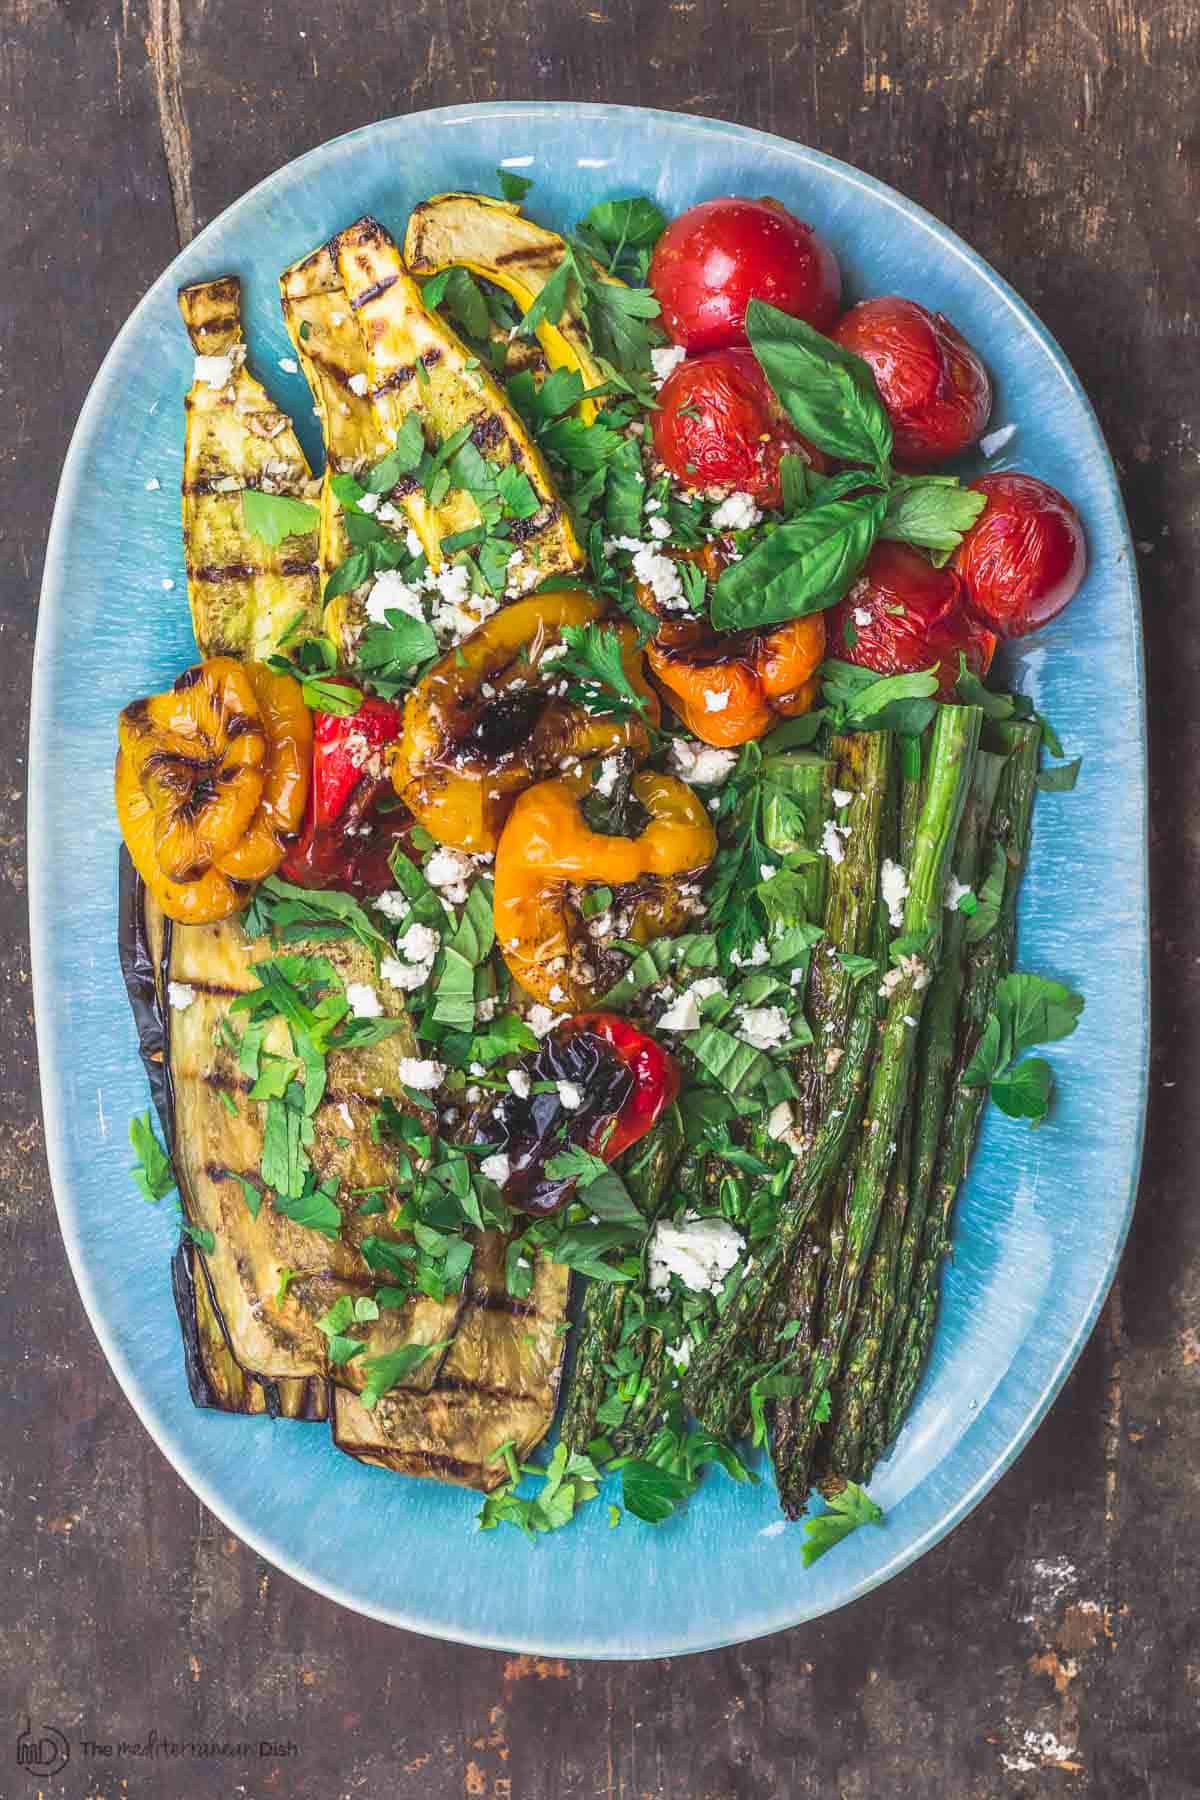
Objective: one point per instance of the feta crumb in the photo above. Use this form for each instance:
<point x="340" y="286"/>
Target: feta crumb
<point x="841" y="797"/>
<point x="862" y="615"/>
<point x="767" y="871"/>
<point x="558" y="993"/>
<point x="406" y="976"/>
<point x="737" y="513"/>
<point x="413" y="544"/>
<point x="495" y="1168"/>
<point x="780" y="1120"/>
<point x="659" y="574"/>
<point x="714" y="702"/>
<point x="680" y="1353"/>
<point x="153" y="485"/>
<point x="665" y="362"/>
<point x="893" y="886"/>
<point x="449" y="871"/>
<point x="289" y="365"/>
<point x="755" y="957"/>
<point x="520" y="1082"/>
<point x="337" y="318"/>
<point x="608" y="776"/>
<point x="700" y="1251"/>
<point x="569" y="1095"/>
<point x="364" y="1001"/>
<point x="956" y="891"/>
<point x="763" y="1027"/>
<point x="422" y="1075"/>
<point x="909" y="1020"/>
<point x="832" y="841"/>
<point x="700" y="763"/>
<point x="485" y="1010"/>
<point x="368" y="503"/>
<point x="682" y="1015"/>
<point x="659" y="529"/>
<point x="214" y="371"/>
<point x="167" y="583"/>
<point x="543" y="1019"/>
<point x="394" y="906"/>
<point x="180" y="994"/>
<point x="391" y="593"/>
<point x="420" y="943"/>
<point x="358" y="384"/>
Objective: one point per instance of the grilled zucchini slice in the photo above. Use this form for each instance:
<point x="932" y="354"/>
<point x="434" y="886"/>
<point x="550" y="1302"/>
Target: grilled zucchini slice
<point x="492" y="239"/>
<point x="246" y="596"/>
<point x="416" y="361"/>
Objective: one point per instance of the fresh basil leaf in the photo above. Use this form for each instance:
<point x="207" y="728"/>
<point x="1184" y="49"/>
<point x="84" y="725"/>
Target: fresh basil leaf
<point x="736" y="1065"/>
<point x="389" y="1370"/>
<point x="349" y="574"/>
<point x="1060" y="779"/>
<point x="314" y="1209"/>
<point x="828" y="393"/>
<point x="637" y="223"/>
<point x="694" y="950"/>
<point x="624" y="491"/>
<point x="274" y="517"/>
<point x="513" y="187"/>
<point x="403" y="457"/>
<point x="803" y="567"/>
<point x="1024" y="1093"/>
<point x="858" y="968"/>
<point x="336" y="697"/>
<point x="152" y="1172"/>
<point x="931" y="511"/>
<point x="651" y="1493"/>
<point x="1041" y="1011"/>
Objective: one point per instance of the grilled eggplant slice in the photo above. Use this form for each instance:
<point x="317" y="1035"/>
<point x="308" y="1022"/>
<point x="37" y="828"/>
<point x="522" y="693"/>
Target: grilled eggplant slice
<point x="491" y="238"/>
<point x="499" y="1382"/>
<point x="246" y="596"/>
<point x="415" y="361"/>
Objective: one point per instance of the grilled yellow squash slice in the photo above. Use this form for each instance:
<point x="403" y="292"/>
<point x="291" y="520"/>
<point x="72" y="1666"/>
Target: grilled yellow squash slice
<point x="499" y="1383"/>
<point x="331" y="352"/>
<point x="246" y="596"/>
<point x="417" y="362"/>
<point x="491" y="238"/>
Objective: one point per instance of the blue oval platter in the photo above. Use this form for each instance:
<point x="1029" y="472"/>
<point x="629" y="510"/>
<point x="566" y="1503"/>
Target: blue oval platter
<point x="1044" y="1215"/>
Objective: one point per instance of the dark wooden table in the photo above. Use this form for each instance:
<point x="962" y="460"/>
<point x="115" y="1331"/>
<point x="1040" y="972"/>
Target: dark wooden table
<point x="1049" y="1646"/>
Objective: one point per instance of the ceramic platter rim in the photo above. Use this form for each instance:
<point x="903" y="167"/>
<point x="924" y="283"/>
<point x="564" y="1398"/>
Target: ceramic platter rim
<point x="725" y="1572"/>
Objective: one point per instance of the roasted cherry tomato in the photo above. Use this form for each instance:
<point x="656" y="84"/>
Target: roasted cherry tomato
<point x="935" y="388"/>
<point x="719" y="424"/>
<point x="1024" y="557"/>
<point x="902" y="614"/>
<point x="715" y="258"/>
<point x="353" y="818"/>
<point x="611" y="1083"/>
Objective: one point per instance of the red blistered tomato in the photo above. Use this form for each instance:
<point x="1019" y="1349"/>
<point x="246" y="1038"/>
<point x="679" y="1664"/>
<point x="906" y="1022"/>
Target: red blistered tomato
<point x="655" y="1078"/>
<point x="902" y="614"/>
<point x="715" y="258"/>
<point x="934" y="386"/>
<point x="1025" y="555"/>
<point x="352" y="821"/>
<point x="719" y="425"/>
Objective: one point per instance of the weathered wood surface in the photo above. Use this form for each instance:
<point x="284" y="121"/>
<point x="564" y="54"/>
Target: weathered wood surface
<point x="1049" y="1646"/>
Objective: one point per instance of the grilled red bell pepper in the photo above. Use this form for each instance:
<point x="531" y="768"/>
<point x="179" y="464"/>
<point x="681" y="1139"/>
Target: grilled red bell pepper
<point x="352" y="821"/>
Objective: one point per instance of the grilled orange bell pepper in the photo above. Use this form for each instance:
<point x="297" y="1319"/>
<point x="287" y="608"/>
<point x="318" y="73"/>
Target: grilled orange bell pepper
<point x="731" y="687"/>
<point x="549" y="854"/>
<point x="211" y="777"/>
<point x="486" y="721"/>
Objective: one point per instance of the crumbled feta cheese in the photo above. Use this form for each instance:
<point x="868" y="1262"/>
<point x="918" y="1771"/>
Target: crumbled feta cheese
<point x="495" y="1168"/>
<point x="680" y="1353"/>
<point x="289" y="365"/>
<point x="214" y="371"/>
<point x="699" y="763"/>
<point x="406" y="976"/>
<point x="364" y="1001"/>
<point x="890" y="983"/>
<point x="569" y="1095"/>
<point x="346" y="1115"/>
<point x="543" y="1019"/>
<point x="862" y="615"/>
<point x="520" y="1082"/>
<point x="893" y="886"/>
<point x="167" y="583"/>
<point x="832" y="841"/>
<point x="700" y="1251"/>
<point x="391" y="593"/>
<point x="665" y="362"/>
<point x="737" y="513"/>
<point x="413" y="544"/>
<point x="755" y="957"/>
<point x="608" y="776"/>
<point x="358" y="384"/>
<point x="683" y="1014"/>
<point x="337" y="318"/>
<point x="449" y="871"/>
<point x="715" y="702"/>
<point x="180" y="995"/>
<point x="956" y="891"/>
<point x="420" y="943"/>
<point x="659" y="574"/>
<point x="485" y="1010"/>
<point x="368" y="503"/>
<point x="767" y="871"/>
<point x="782" y="1127"/>
<point x="706" y="987"/>
<point x="763" y="1027"/>
<point x="908" y="1019"/>
<point x="558" y="993"/>
<point x="422" y="1075"/>
<point x="659" y="529"/>
<point x="394" y="906"/>
<point x="153" y="485"/>
<point x="841" y="797"/>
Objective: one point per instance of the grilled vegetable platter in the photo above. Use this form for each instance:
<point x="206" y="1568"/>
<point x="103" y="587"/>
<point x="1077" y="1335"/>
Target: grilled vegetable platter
<point x="569" y="906"/>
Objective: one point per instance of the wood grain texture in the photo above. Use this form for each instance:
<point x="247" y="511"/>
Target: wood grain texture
<point x="1048" y="1646"/>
